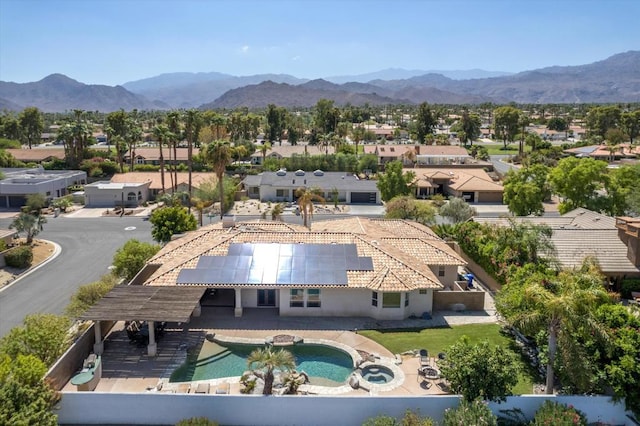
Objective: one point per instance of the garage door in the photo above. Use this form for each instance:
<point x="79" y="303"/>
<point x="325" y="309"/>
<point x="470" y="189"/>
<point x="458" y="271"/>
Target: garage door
<point x="363" y="197"/>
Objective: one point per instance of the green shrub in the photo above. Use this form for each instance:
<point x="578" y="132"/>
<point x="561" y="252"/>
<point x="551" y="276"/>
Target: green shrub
<point x="3" y="245"/>
<point x="411" y="418"/>
<point x="197" y="421"/>
<point x="556" y="414"/>
<point x="629" y="285"/>
<point x="19" y="257"/>
<point x="87" y="295"/>
<point x="475" y="413"/>
<point x="145" y="168"/>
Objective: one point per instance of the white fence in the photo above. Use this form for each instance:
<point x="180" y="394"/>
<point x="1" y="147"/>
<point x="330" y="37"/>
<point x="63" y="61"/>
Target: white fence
<point x="167" y="409"/>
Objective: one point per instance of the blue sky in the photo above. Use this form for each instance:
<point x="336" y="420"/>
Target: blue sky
<point x="115" y="41"/>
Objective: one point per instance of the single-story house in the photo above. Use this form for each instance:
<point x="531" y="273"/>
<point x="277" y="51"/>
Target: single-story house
<point x="155" y="180"/>
<point x="282" y="185"/>
<point x="19" y="183"/>
<point x="428" y="155"/>
<point x="474" y="185"/>
<point x="152" y="156"/>
<point x="110" y="195"/>
<point x="580" y="233"/>
<point x="384" y="269"/>
<point x="279" y="152"/>
<point x="37" y="155"/>
<point x="604" y="152"/>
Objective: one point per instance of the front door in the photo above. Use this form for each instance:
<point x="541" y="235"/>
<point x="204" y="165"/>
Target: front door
<point x="266" y="298"/>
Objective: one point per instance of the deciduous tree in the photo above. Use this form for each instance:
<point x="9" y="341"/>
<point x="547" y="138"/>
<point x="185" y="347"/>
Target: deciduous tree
<point x="480" y="371"/>
<point x="457" y="210"/>
<point x="407" y="207"/>
<point x="130" y="258"/>
<point x="506" y="123"/>
<point x="45" y="336"/>
<point x="424" y="123"/>
<point x="526" y="189"/>
<point x="31" y="125"/>
<point x="393" y="182"/>
<point x="171" y="220"/>
<point x="577" y="180"/>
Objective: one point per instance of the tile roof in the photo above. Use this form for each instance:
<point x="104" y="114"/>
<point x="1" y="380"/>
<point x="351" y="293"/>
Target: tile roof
<point x="154" y="153"/>
<point x="36" y="154"/>
<point x="156" y="180"/>
<point x="286" y="151"/>
<point x="397" y="267"/>
<point x="449" y="150"/>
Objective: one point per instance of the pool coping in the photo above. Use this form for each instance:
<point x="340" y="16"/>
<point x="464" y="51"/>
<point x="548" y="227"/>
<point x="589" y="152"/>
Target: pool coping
<point x="354" y="381"/>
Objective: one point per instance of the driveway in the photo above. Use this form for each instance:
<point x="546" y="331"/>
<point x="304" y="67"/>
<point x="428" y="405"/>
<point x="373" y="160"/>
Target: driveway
<point x="88" y="246"/>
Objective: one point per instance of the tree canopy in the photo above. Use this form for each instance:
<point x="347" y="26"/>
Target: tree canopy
<point x="457" y="210"/>
<point x="526" y="189"/>
<point x="130" y="258"/>
<point x="393" y="182"/>
<point x="407" y="207"/>
<point x="171" y="220"/>
<point x="480" y="371"/>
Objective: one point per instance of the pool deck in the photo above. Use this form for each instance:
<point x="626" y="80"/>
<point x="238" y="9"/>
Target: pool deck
<point x="127" y="368"/>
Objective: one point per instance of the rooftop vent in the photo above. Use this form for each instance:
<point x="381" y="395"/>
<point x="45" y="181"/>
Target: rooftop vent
<point x="281" y="172"/>
<point x="299" y="172"/>
<point x="318" y="173"/>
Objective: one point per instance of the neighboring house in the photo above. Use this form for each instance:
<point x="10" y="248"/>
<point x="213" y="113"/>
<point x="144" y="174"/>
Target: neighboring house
<point x="282" y="185"/>
<point x="384" y="269"/>
<point x="605" y="152"/>
<point x="20" y="183"/>
<point x="152" y="156"/>
<point x="279" y="152"/>
<point x="474" y="185"/>
<point x="155" y="181"/>
<point x="37" y="155"/>
<point x="108" y="194"/>
<point x="428" y="155"/>
<point x="382" y="131"/>
<point x="580" y="233"/>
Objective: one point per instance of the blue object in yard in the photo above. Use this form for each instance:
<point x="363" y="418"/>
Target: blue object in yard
<point x="469" y="278"/>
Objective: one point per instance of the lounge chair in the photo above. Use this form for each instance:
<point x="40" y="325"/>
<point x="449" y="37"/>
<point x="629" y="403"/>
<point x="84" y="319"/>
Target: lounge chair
<point x="223" y="389"/>
<point x="424" y="357"/>
<point x="203" y="388"/>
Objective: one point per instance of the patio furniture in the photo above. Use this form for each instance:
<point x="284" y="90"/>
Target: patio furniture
<point x="424" y="357"/>
<point x="87" y="379"/>
<point x="223" y="389"/>
<point x="203" y="388"/>
<point x="429" y="373"/>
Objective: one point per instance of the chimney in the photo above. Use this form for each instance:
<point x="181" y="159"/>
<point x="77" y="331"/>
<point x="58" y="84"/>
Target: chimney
<point x="629" y="233"/>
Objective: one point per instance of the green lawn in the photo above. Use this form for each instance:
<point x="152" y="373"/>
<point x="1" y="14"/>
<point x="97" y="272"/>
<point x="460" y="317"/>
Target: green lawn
<point x="437" y="340"/>
<point x="497" y="149"/>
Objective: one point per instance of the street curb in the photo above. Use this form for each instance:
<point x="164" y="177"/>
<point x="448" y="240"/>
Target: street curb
<point x="56" y="252"/>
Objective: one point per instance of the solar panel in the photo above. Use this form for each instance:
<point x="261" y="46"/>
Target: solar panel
<point x="273" y="264"/>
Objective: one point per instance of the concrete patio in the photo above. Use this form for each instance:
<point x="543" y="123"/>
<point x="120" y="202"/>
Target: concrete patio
<point x="128" y="368"/>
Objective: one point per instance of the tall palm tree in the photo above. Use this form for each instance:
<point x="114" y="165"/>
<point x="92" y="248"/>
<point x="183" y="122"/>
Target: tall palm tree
<point x="306" y="197"/>
<point x="563" y="305"/>
<point x="357" y="133"/>
<point x="266" y="146"/>
<point x="174" y="119"/>
<point x="192" y="125"/>
<point x="218" y="155"/>
<point x="264" y="361"/>
<point x="161" y="133"/>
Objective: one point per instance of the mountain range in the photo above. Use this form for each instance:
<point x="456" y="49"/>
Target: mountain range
<point x="615" y="79"/>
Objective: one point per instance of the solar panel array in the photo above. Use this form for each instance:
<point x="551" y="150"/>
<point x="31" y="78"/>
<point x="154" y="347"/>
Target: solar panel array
<point x="278" y="264"/>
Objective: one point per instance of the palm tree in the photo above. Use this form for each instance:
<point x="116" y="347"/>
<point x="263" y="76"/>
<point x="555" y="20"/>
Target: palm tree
<point x="306" y="197"/>
<point x="264" y="361"/>
<point x="266" y="146"/>
<point x="161" y="133"/>
<point x="276" y="211"/>
<point x="218" y="154"/>
<point x="173" y="122"/>
<point x="193" y="122"/>
<point x="357" y="133"/>
<point x="29" y="223"/>
<point x="563" y="305"/>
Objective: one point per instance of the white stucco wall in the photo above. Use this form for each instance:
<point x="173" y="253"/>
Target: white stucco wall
<point x="151" y="408"/>
<point x="450" y="273"/>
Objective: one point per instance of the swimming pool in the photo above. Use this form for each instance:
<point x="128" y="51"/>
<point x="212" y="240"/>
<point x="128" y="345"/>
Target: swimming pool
<point x="325" y="365"/>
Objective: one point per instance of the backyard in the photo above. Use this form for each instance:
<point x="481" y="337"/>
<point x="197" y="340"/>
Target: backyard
<point x="437" y="340"/>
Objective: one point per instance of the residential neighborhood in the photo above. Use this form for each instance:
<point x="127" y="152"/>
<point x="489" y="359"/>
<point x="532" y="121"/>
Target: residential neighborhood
<point x="319" y="213"/>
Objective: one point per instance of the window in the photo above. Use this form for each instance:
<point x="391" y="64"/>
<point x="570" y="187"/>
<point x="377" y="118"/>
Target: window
<point x="131" y="196"/>
<point x="313" y="298"/>
<point x="281" y="193"/>
<point x="254" y="190"/>
<point x="391" y="300"/>
<point x="406" y="299"/>
<point x="297" y="298"/>
<point x="139" y="160"/>
<point x="374" y="298"/>
<point x="423" y="291"/>
<point x="441" y="271"/>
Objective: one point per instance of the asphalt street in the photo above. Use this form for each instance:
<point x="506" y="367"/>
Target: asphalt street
<point x="88" y="246"/>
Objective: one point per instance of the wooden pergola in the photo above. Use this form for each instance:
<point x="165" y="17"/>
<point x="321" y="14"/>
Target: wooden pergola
<point x="145" y="303"/>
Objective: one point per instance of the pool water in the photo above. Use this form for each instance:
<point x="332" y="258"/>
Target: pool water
<point x="325" y="365"/>
<point x="377" y="374"/>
